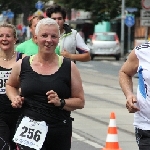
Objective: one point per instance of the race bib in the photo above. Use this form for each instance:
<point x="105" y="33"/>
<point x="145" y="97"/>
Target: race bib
<point x="31" y="133"/>
<point x="3" y="78"/>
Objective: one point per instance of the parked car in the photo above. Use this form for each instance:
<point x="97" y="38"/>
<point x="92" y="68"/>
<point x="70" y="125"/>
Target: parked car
<point x="104" y="44"/>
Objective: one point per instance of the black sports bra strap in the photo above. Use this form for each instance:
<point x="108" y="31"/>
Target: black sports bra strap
<point x="19" y="56"/>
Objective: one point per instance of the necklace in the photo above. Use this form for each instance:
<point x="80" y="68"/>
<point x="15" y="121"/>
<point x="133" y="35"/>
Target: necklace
<point x="5" y="59"/>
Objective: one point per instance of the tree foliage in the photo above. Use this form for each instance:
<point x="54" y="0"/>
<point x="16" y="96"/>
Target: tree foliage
<point x="102" y="10"/>
<point x="26" y="7"/>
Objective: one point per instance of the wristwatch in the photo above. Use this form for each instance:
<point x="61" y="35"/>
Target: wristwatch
<point x="62" y="103"/>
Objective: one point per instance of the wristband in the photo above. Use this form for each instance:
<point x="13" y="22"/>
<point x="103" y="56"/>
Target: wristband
<point x="62" y="103"/>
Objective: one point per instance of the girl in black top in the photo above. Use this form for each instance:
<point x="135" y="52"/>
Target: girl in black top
<point x="8" y="115"/>
<point x="51" y="88"/>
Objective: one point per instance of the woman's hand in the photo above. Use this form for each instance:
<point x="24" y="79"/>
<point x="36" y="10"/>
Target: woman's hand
<point x="17" y="102"/>
<point x="53" y="98"/>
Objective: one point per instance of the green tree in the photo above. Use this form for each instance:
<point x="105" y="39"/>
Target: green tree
<point x="20" y="6"/>
<point x="102" y="10"/>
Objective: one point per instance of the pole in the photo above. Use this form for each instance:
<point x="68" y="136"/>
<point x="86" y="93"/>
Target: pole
<point x="129" y="38"/>
<point x="122" y="27"/>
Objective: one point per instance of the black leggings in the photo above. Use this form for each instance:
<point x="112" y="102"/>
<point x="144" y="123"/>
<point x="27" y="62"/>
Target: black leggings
<point x="7" y="130"/>
<point x="57" y="138"/>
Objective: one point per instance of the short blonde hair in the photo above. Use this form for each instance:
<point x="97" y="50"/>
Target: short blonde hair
<point x="11" y="27"/>
<point x="46" y="21"/>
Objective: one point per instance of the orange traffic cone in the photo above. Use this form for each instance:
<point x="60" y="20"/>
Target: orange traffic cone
<point x="112" y="137"/>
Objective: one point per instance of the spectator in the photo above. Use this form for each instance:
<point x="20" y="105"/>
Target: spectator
<point x="19" y="27"/>
<point x="24" y="32"/>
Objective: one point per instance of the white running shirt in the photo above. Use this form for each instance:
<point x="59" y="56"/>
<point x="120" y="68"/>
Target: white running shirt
<point x="142" y="117"/>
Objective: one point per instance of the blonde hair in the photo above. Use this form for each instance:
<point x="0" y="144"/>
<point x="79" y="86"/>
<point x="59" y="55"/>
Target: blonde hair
<point x="11" y="27"/>
<point x="46" y="21"/>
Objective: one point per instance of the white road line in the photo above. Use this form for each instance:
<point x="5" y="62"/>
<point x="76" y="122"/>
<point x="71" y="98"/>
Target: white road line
<point x="117" y="63"/>
<point x="86" y="65"/>
<point x="114" y="63"/>
<point x="80" y="138"/>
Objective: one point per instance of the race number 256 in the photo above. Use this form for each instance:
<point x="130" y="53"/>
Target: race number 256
<point x="31" y="133"/>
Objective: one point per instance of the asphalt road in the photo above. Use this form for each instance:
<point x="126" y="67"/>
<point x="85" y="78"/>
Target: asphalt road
<point x="103" y="96"/>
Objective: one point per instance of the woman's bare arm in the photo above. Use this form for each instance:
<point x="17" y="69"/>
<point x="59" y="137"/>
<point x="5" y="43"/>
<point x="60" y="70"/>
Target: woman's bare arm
<point x="13" y="85"/>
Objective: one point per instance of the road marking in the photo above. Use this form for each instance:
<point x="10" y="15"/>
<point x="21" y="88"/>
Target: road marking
<point x="117" y="63"/>
<point x="80" y="138"/>
<point x="114" y="63"/>
<point x="86" y="65"/>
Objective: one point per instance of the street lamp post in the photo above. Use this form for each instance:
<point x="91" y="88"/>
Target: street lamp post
<point x="122" y="27"/>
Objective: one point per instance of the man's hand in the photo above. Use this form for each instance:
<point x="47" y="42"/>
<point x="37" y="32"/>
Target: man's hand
<point x="130" y="104"/>
<point x="66" y="54"/>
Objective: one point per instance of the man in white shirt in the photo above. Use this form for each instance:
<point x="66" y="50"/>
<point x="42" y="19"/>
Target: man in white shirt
<point x="70" y="40"/>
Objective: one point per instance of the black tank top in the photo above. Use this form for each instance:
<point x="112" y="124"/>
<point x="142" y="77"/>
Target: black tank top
<point x="34" y="87"/>
<point x="5" y="103"/>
